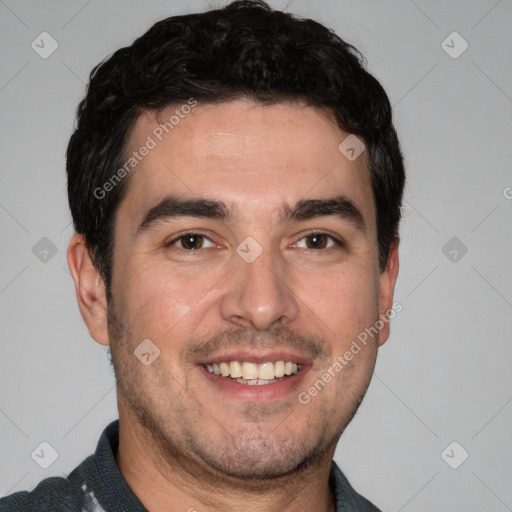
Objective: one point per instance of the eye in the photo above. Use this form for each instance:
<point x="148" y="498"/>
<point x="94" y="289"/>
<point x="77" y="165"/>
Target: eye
<point x="192" y="242"/>
<point x="317" y="241"/>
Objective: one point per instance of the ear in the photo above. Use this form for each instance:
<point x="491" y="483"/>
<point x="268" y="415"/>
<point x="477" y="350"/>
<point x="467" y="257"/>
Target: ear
<point x="386" y="290"/>
<point x="90" y="289"/>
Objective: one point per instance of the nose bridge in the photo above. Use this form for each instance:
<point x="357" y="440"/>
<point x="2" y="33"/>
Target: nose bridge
<point x="259" y="295"/>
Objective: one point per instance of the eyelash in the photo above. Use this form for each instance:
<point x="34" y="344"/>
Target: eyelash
<point x="183" y="235"/>
<point x="338" y="243"/>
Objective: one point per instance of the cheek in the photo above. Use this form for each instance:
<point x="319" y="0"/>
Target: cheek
<point x="346" y="302"/>
<point x="162" y="303"/>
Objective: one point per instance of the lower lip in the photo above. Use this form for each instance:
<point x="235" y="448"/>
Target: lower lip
<point x="256" y="393"/>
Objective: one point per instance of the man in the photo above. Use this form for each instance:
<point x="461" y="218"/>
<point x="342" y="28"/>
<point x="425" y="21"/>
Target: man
<point x="235" y="182"/>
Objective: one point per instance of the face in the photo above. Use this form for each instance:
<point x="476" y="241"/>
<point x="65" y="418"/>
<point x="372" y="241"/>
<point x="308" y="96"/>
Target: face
<point x="245" y="239"/>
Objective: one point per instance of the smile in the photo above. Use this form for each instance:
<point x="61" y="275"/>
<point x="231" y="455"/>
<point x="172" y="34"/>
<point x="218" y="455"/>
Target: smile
<point x="248" y="373"/>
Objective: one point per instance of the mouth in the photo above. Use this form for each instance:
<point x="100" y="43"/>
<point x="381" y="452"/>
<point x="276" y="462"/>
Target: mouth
<point x="254" y="374"/>
<point x="250" y="378"/>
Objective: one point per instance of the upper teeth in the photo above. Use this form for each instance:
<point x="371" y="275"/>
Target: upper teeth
<point x="264" y="371"/>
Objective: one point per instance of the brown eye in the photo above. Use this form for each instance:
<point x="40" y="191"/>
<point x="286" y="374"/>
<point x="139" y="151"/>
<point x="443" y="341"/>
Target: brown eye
<point x="316" y="241"/>
<point x="192" y="242"/>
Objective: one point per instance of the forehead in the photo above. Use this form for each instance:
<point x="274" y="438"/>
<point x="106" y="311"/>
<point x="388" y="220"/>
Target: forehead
<point x="251" y="156"/>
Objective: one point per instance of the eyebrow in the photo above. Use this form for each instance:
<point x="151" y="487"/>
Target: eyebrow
<point x="338" y="206"/>
<point x="171" y="207"/>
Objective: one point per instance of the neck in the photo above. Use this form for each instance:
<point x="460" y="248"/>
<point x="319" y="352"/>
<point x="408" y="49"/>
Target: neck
<point x="167" y="485"/>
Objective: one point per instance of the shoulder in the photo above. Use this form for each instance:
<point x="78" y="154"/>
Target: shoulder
<point x="52" y="494"/>
<point x="346" y="498"/>
<point x="78" y="491"/>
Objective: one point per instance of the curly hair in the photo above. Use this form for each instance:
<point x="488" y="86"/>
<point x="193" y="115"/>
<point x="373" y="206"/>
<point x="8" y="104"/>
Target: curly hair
<point x="246" y="49"/>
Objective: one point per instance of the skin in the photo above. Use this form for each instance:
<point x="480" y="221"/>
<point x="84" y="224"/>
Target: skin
<point x="183" y="442"/>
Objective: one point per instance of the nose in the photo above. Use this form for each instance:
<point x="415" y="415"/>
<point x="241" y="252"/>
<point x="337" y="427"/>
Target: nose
<point x="260" y="293"/>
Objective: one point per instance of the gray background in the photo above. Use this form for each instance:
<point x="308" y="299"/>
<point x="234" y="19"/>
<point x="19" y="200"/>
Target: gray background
<point x="445" y="374"/>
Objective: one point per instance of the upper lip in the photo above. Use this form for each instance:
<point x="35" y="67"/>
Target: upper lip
<point x="257" y="357"/>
